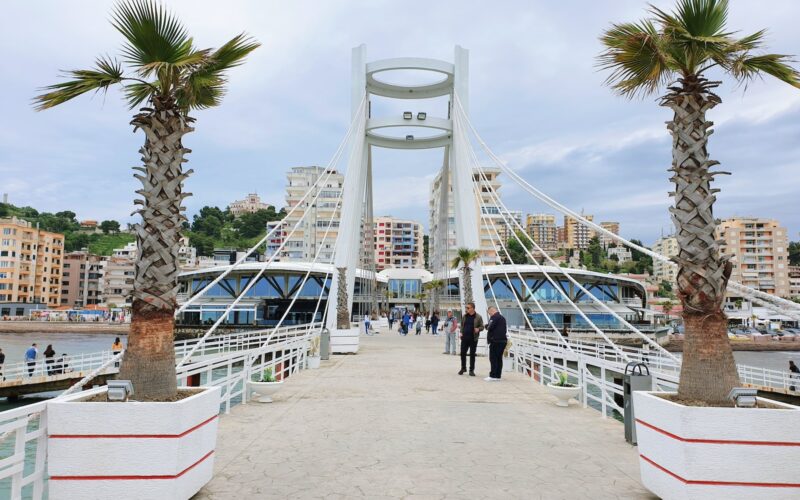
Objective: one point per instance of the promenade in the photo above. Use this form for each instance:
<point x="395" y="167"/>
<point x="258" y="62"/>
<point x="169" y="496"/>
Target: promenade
<point x="395" y="421"/>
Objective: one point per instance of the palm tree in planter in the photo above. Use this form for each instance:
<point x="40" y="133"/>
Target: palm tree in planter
<point x="166" y="73"/>
<point x="463" y="259"/>
<point x="674" y="53"/>
<point x="434" y="286"/>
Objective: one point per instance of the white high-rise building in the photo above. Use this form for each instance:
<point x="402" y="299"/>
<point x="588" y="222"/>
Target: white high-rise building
<point x="662" y="271"/>
<point x="310" y="234"/>
<point x="398" y="244"/>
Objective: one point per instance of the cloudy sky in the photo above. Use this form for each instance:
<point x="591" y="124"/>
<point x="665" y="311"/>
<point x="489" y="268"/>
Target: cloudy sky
<point x="535" y="96"/>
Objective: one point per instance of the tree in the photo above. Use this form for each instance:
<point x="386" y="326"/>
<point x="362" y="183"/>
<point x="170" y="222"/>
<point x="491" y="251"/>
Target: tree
<point x="674" y="52"/>
<point x="517" y="252"/>
<point x="109" y="226"/>
<point x="166" y="73"/>
<point x="209" y="221"/>
<point x="794" y="253"/>
<point x="254" y="224"/>
<point x="464" y="258"/>
<point x="433" y="287"/>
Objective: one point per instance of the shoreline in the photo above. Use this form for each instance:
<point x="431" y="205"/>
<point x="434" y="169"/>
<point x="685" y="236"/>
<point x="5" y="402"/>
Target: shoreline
<point x="675" y="345"/>
<point x="62" y="327"/>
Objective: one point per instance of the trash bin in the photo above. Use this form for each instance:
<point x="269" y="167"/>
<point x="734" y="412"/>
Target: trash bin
<point x="325" y="344"/>
<point x="636" y="378"/>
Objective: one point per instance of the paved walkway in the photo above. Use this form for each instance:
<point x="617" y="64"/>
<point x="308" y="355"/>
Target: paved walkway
<point x="395" y="421"/>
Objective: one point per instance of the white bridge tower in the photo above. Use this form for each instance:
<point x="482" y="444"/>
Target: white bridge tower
<point x="375" y="132"/>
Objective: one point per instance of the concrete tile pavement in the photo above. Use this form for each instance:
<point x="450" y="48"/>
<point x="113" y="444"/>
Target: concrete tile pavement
<point x="395" y="421"/>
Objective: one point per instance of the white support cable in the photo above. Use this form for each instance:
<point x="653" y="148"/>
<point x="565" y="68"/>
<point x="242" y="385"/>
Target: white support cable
<point x="566" y="211"/>
<point x="529" y="292"/>
<point x="252" y="281"/>
<point x="334" y="160"/>
<point x="458" y="116"/>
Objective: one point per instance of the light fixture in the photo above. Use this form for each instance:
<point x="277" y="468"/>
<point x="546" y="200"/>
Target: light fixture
<point x="119" y="390"/>
<point x="743" y="397"/>
<point x="409" y="137"/>
<point x="422" y="115"/>
<point x="407" y="115"/>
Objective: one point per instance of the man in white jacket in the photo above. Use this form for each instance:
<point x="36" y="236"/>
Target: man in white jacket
<point x="450" y="331"/>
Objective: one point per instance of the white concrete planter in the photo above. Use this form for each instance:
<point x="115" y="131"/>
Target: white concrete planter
<point x="697" y="452"/>
<point x="345" y="341"/>
<point x="265" y="390"/>
<point x="564" y="394"/>
<point x="313" y="362"/>
<point x="131" y="450"/>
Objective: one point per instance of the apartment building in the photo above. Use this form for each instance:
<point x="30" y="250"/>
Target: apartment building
<point x="759" y="251"/>
<point x="442" y="240"/>
<point x="398" y="244"/>
<point x="663" y="271"/>
<point x="576" y="235"/>
<point x="612" y="227"/>
<point x="794" y="282"/>
<point x="30" y="263"/>
<point x="251" y="204"/>
<point x="82" y="279"/>
<point x="544" y="231"/>
<point x="119" y="276"/>
<point x="311" y="233"/>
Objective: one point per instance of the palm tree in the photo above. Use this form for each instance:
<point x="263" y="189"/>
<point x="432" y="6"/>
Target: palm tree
<point x="673" y="52"/>
<point x="164" y="71"/>
<point x="464" y="257"/>
<point x="434" y="286"/>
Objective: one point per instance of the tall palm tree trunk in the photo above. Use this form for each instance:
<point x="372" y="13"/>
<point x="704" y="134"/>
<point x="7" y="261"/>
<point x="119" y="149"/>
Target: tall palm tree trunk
<point x="709" y="369"/>
<point x="467" y="285"/>
<point x="149" y="362"/>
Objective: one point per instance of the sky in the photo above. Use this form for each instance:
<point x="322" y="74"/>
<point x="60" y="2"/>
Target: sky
<point x="536" y="97"/>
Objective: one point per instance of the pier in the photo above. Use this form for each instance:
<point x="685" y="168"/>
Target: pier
<point x="396" y="421"/>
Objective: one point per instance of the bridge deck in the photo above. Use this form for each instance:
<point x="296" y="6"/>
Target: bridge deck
<point x="395" y="421"/>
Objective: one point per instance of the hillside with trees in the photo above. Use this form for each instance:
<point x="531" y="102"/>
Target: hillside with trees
<point x="213" y="227"/>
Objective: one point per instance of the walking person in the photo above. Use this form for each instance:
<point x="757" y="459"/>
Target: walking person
<point x="30" y="358"/>
<point x="406" y="322"/>
<point x="419" y="325"/>
<point x="428" y="324"/>
<point x="794" y="374"/>
<point x="450" y="330"/>
<point x="2" y="360"/>
<point x="367" y="324"/>
<point x="496" y="337"/>
<point x="49" y="358"/>
<point x="391" y="320"/>
<point x="435" y="323"/>
<point x="116" y="348"/>
<point x="471" y="326"/>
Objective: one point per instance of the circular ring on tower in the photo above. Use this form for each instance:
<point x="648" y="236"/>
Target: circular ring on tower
<point x="398" y="91"/>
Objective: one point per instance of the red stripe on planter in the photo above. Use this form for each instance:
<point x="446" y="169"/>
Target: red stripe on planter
<point x="716" y="441"/>
<point x="129" y="478"/>
<point x="132" y="436"/>
<point x="719" y="483"/>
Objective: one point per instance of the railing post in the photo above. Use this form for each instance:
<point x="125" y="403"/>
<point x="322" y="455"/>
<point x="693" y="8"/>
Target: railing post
<point x="603" y="391"/>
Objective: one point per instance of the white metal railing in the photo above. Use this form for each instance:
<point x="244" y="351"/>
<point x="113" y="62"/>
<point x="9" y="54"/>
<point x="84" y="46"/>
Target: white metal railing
<point x="229" y="362"/>
<point x="39" y="370"/>
<point x="598" y="368"/>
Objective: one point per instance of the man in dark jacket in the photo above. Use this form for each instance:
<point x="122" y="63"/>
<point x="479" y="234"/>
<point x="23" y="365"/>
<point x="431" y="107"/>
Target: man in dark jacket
<point x="471" y="327"/>
<point x="497" y="339"/>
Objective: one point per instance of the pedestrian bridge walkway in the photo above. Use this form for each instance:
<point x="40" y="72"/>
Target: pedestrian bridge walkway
<point x="396" y="421"/>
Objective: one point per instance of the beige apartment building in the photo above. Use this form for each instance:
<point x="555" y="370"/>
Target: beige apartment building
<point x="576" y="235"/>
<point x="759" y="251"/>
<point x="82" y="279"/>
<point x="544" y="231"/>
<point x="398" y="244"/>
<point x="442" y="240"/>
<point x="612" y="227"/>
<point x="30" y="263"/>
<point x="310" y="235"/>
<point x="663" y="271"/>
<point x="794" y="282"/>
<point x="251" y="204"/>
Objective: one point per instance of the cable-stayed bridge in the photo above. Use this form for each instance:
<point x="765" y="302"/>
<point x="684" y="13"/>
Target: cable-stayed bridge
<point x="540" y="349"/>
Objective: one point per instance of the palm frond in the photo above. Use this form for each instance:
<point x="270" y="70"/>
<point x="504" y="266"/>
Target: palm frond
<point x="637" y="57"/>
<point x="107" y="72"/>
<point x="746" y="67"/>
<point x="136" y="93"/>
<point x="204" y="86"/>
<point x="699" y="19"/>
<point x="153" y="35"/>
